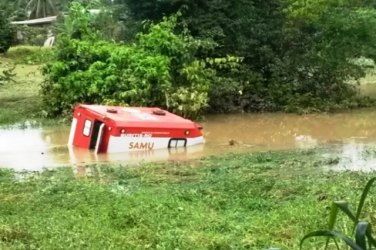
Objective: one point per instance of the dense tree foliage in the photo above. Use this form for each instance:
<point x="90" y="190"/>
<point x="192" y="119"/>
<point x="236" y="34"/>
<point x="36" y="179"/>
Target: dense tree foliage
<point x="323" y="43"/>
<point x="297" y="54"/>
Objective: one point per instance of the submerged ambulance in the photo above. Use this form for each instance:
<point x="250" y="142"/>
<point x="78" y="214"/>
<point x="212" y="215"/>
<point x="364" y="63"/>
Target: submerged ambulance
<point x="112" y="129"/>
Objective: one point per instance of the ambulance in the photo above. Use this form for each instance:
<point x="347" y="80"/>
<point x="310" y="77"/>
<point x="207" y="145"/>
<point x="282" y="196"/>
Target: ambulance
<point x="114" y="129"/>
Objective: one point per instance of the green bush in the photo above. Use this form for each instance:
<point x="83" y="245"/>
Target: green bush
<point x="6" y="33"/>
<point x="160" y="69"/>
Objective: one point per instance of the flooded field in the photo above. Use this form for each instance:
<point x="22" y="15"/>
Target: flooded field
<point x="351" y="135"/>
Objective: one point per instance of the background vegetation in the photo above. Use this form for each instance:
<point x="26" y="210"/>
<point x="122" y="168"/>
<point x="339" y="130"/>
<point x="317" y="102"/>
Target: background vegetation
<point x="297" y="54"/>
<point x="274" y="55"/>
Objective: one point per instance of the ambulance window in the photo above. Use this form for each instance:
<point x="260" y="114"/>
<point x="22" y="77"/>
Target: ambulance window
<point x="87" y="128"/>
<point x="177" y="143"/>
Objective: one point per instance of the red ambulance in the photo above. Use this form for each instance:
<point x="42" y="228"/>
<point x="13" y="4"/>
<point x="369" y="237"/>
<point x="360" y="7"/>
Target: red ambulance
<point x="111" y="129"/>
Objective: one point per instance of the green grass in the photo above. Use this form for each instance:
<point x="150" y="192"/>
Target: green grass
<point x="252" y="201"/>
<point x="31" y="55"/>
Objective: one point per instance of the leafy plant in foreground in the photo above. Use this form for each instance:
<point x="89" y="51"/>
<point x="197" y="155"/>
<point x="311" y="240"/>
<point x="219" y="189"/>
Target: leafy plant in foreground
<point x="363" y="239"/>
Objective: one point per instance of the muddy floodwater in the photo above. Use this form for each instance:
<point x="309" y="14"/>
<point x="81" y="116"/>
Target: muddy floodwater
<point x="350" y="135"/>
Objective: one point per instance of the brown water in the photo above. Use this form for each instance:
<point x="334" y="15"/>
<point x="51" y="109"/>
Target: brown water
<point x="351" y="134"/>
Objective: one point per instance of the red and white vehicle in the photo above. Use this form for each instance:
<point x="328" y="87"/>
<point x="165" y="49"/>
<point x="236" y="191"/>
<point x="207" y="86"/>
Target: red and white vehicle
<point x="111" y="129"/>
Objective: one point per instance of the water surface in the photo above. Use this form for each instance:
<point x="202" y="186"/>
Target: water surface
<point x="351" y="134"/>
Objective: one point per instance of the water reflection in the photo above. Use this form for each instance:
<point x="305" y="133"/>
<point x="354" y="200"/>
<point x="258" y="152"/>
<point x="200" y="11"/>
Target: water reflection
<point x="80" y="156"/>
<point x="352" y="133"/>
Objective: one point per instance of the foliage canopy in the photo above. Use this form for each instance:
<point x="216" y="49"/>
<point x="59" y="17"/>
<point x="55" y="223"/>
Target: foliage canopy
<point x="297" y="54"/>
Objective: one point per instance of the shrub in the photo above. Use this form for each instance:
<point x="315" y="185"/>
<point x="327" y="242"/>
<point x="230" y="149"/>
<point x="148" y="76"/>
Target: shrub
<point x="160" y="69"/>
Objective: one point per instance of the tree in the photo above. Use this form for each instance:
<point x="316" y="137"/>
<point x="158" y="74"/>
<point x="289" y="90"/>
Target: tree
<point x="41" y="8"/>
<point x="13" y="11"/>
<point x="6" y="32"/>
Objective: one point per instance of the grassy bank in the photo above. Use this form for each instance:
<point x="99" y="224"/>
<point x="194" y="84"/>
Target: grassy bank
<point x="252" y="201"/>
<point x="19" y="99"/>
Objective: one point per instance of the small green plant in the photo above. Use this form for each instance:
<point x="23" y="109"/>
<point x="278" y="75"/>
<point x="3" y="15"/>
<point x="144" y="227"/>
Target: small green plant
<point x="363" y="239"/>
<point x="7" y="74"/>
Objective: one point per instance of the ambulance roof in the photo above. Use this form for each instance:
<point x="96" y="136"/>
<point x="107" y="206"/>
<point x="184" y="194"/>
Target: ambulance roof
<point x="124" y="117"/>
